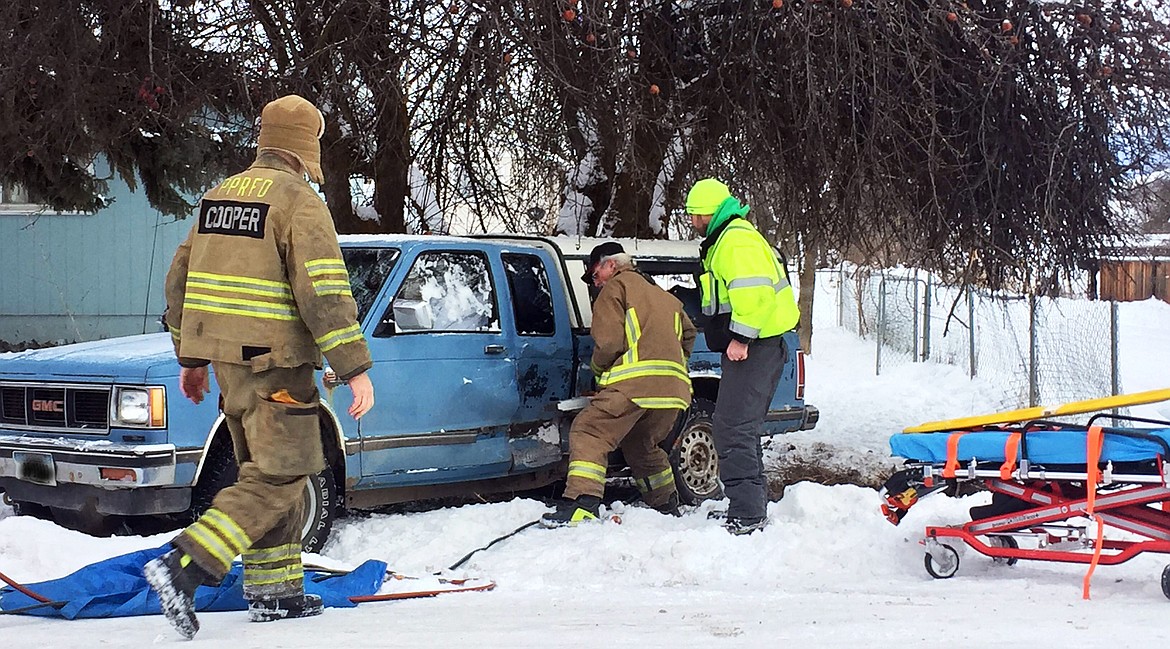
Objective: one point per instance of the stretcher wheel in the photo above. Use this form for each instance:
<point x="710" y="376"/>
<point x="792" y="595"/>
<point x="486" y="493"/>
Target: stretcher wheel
<point x="1166" y="581"/>
<point x="1005" y="542"/>
<point x="945" y="569"/>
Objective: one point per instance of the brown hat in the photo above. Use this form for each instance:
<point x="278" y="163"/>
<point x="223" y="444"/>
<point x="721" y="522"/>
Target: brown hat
<point x="293" y="124"/>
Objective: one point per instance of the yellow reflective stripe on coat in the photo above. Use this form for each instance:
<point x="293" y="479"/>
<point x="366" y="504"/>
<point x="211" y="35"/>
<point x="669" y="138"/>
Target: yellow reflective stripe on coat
<point x="661" y="403"/>
<point x="339" y="337"/>
<point x="645" y="368"/>
<point x="239" y="306"/>
<point x="325" y="266"/>
<point x="239" y="284"/>
<point x="331" y="287"/>
<point x="633" y="333"/>
<point x="587" y="470"/>
<point x="657" y="481"/>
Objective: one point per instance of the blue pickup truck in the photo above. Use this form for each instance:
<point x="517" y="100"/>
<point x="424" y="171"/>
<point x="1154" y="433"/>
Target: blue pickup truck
<point x="481" y="360"/>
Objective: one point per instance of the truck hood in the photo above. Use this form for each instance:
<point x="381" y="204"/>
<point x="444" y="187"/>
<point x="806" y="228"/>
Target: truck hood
<point x="129" y="359"/>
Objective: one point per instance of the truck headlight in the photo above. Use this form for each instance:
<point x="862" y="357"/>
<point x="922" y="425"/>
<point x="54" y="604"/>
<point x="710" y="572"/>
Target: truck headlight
<point x="140" y="407"/>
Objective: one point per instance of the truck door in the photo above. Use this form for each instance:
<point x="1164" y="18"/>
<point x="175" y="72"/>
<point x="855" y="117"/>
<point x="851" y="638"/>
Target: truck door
<point x="544" y="342"/>
<point x="444" y="381"/>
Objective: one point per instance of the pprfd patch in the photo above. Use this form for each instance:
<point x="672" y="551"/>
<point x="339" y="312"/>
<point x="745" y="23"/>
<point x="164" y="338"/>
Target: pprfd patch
<point x="233" y="218"/>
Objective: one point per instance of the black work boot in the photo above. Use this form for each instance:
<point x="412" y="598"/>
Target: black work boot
<point x="744" y="525"/>
<point x="281" y="608"/>
<point x="174" y="577"/>
<point x="571" y="512"/>
<point x="670" y="507"/>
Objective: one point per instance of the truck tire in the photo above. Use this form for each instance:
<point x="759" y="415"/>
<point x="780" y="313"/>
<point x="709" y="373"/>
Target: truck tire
<point x="321" y="496"/>
<point x="321" y="508"/>
<point x="694" y="458"/>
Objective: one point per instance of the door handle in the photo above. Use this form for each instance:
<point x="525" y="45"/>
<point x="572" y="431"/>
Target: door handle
<point x="330" y="380"/>
<point x="494" y="349"/>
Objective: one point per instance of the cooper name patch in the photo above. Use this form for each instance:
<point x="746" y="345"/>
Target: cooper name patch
<point x="232" y="218"/>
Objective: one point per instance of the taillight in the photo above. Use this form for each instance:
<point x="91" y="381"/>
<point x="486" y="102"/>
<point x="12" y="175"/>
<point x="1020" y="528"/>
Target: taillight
<point x="800" y="375"/>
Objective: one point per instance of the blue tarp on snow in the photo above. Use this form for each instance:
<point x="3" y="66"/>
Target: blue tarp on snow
<point x="116" y="588"/>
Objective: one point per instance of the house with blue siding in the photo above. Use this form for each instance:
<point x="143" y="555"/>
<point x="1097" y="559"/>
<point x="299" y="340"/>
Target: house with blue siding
<point x="68" y="277"/>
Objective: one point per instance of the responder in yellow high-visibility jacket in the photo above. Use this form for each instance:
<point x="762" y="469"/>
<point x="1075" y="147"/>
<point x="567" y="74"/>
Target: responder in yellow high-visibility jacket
<point x="259" y="291"/>
<point x="642" y="339"/>
<point x="750" y="305"/>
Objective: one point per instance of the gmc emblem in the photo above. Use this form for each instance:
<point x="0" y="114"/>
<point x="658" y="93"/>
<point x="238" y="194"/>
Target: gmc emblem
<point x="48" y="405"/>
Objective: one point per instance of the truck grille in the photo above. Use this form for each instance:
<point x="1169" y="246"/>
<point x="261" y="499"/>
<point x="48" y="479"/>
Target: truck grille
<point x="55" y="407"/>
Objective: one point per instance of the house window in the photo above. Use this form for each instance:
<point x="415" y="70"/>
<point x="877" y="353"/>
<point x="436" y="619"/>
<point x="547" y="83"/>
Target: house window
<point x="12" y="193"/>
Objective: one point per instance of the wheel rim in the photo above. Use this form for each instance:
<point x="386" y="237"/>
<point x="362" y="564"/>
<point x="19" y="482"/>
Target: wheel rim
<point x="311" y="506"/>
<point x="698" y="460"/>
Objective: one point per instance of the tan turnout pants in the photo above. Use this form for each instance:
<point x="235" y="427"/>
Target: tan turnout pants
<point x="611" y="421"/>
<point x="277" y="441"/>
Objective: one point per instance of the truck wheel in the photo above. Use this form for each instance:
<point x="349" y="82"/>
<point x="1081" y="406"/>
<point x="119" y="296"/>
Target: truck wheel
<point x="220" y="471"/>
<point x="694" y="458"/>
<point x="321" y="508"/>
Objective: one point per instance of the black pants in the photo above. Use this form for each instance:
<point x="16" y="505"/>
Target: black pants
<point x="745" y="390"/>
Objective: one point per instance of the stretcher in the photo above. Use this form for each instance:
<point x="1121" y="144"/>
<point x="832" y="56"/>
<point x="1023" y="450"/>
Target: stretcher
<point x="1091" y="494"/>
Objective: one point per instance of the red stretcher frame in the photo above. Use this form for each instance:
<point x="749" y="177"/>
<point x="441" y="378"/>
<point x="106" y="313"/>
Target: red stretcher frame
<point x="1137" y="504"/>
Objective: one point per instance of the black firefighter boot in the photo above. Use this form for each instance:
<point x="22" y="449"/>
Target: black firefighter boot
<point x="174" y="577"/>
<point x="670" y="507"/>
<point x="283" y="608"/>
<point x="571" y="512"/>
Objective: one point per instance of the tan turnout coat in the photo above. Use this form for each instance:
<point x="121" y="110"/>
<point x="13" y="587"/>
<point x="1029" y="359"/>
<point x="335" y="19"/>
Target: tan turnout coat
<point x="260" y="280"/>
<point x="642" y="341"/>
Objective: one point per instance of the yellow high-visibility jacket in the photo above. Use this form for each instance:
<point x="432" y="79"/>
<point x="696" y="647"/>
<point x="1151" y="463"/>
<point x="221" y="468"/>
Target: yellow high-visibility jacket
<point x="744" y="279"/>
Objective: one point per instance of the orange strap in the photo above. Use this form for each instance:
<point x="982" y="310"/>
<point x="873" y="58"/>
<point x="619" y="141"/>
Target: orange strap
<point x="1010" y="449"/>
<point x="1096" y="556"/>
<point x="1095" y="439"/>
<point x="952" y="464"/>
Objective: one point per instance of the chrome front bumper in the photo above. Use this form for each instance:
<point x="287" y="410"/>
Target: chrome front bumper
<point x="56" y="461"/>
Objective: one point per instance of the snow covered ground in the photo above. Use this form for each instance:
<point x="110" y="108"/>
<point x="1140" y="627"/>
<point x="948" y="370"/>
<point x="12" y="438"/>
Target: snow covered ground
<point x="829" y="571"/>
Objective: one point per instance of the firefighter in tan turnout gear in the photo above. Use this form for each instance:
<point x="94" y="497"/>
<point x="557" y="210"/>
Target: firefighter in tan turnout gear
<point x="259" y="291"/>
<point x="642" y="339"/>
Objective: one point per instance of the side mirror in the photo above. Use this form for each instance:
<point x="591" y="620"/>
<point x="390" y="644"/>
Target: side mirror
<point x="413" y="315"/>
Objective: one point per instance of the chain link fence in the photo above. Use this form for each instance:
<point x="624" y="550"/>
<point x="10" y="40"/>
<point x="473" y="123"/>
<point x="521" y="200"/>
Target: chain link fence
<point x="1040" y="350"/>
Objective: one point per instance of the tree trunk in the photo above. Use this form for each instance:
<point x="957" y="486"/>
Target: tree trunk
<point x="808" y="279"/>
<point x="392" y="162"/>
<point x="337" y="162"/>
<point x="634" y="187"/>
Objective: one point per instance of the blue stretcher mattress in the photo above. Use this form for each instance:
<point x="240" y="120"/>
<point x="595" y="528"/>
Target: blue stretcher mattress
<point x="1043" y="446"/>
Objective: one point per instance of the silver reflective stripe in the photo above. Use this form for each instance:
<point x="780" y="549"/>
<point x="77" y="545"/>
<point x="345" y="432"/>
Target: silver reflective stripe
<point x="744" y="282"/>
<point x="758" y="281"/>
<point x="712" y="297"/>
<point x="744" y="330"/>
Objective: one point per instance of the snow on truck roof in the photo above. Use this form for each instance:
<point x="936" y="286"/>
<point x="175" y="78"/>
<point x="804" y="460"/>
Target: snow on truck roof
<point x="571" y="247"/>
